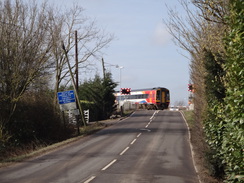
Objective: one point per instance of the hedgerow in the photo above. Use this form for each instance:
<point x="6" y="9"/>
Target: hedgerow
<point x="232" y="149"/>
<point x="224" y="125"/>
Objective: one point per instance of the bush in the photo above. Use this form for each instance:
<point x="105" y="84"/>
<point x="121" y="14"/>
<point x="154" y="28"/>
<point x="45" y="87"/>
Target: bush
<point x="35" y="123"/>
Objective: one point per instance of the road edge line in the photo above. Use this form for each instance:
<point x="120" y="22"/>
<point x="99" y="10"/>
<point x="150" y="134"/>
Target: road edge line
<point x="191" y="147"/>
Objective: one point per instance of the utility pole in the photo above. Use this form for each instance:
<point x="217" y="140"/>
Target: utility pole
<point x="103" y="69"/>
<point x="77" y="79"/>
<point x="73" y="83"/>
<point x="76" y="62"/>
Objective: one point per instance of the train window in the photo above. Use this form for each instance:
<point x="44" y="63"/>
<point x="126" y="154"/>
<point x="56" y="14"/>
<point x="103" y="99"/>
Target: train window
<point x="129" y="97"/>
<point x="158" y="95"/>
<point x="167" y="96"/>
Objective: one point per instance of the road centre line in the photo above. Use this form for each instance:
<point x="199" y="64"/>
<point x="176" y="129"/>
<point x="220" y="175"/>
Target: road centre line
<point x="133" y="141"/>
<point x="138" y="135"/>
<point x="124" y="151"/>
<point x="112" y="162"/>
<point x="90" y="179"/>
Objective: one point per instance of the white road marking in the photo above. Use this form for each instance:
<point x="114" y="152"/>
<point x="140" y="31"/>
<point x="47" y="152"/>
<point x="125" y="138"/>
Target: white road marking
<point x="124" y="151"/>
<point x="191" y="147"/>
<point x="112" y="162"/>
<point x="138" y="135"/>
<point x="133" y="141"/>
<point x="90" y="179"/>
<point x="153" y="115"/>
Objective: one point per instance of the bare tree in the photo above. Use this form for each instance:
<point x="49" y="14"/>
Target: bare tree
<point x="25" y="45"/>
<point x="90" y="39"/>
<point x="201" y="31"/>
<point x="30" y="46"/>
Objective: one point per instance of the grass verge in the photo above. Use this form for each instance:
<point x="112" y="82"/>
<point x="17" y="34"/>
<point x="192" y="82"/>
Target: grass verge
<point x="42" y="149"/>
<point x="200" y="149"/>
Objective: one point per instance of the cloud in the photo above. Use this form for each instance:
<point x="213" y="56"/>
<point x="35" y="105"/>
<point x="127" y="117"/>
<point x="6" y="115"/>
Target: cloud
<point x="161" y="36"/>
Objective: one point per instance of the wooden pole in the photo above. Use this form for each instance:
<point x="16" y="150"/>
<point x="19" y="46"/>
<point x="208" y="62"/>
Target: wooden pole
<point x="73" y="83"/>
<point x="103" y="69"/>
<point x="76" y="62"/>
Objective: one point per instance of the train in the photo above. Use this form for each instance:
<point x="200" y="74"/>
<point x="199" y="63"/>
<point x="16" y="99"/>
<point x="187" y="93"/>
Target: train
<point x="150" y="98"/>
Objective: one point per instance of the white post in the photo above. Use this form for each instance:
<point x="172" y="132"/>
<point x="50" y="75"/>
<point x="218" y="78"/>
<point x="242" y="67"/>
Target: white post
<point x="86" y="114"/>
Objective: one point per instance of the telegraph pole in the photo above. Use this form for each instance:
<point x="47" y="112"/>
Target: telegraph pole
<point x="77" y="79"/>
<point x="73" y="83"/>
<point x="76" y="62"/>
<point x="103" y="69"/>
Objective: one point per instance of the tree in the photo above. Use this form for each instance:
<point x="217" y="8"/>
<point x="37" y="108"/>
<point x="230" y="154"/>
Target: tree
<point x="90" y="42"/>
<point x="25" y="45"/>
<point x="98" y="97"/>
<point x="108" y="98"/>
<point x="214" y="38"/>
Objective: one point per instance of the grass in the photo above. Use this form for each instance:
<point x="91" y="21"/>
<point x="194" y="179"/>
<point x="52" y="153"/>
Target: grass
<point x="189" y="115"/>
<point x="41" y="149"/>
<point x="200" y="149"/>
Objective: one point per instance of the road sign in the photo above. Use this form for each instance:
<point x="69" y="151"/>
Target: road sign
<point x="66" y="97"/>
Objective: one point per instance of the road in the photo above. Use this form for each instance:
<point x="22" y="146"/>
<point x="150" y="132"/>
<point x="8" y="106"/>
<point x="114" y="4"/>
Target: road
<point x="147" y="147"/>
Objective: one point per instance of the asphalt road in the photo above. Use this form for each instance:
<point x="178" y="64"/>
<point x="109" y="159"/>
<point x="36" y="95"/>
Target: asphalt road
<point x="147" y="147"/>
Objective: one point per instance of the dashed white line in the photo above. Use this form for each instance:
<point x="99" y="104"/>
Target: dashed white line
<point x="124" y="151"/>
<point x="138" y="135"/>
<point x="146" y="126"/>
<point x="133" y="141"/>
<point x="90" y="179"/>
<point x="112" y="162"/>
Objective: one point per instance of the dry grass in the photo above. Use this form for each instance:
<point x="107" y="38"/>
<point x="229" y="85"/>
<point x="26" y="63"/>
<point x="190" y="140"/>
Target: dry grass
<point x="34" y="149"/>
<point x="200" y="149"/>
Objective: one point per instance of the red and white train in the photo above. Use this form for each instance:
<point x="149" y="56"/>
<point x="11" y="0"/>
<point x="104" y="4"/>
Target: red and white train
<point x="153" y="98"/>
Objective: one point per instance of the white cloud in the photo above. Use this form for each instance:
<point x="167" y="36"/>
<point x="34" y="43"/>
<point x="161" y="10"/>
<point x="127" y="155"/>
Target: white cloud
<point x="161" y="36"/>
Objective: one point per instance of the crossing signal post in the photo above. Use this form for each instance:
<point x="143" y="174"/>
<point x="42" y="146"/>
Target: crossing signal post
<point x="190" y="87"/>
<point x="125" y="91"/>
<point x="191" y="90"/>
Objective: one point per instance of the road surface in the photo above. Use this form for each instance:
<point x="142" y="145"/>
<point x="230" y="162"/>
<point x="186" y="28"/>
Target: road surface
<point x="147" y="147"/>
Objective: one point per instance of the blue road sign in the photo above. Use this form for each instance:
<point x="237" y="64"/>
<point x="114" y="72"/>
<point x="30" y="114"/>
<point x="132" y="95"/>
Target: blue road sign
<point x="66" y="97"/>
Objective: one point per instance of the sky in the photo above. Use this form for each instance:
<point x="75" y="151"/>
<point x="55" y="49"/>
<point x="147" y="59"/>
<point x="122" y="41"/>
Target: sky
<point x="142" y="44"/>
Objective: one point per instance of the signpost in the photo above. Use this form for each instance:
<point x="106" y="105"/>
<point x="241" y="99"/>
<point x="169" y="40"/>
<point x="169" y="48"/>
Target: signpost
<point x="66" y="99"/>
<point x="75" y="90"/>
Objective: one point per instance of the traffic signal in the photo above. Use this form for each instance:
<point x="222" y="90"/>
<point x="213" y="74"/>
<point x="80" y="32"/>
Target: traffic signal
<point x="125" y="91"/>
<point x="190" y="87"/>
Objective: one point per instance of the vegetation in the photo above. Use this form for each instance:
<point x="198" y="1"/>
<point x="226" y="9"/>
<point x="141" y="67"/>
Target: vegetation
<point x="33" y="67"/>
<point x="19" y="154"/>
<point x="31" y="54"/>
<point x="98" y="97"/>
<point x="213" y="35"/>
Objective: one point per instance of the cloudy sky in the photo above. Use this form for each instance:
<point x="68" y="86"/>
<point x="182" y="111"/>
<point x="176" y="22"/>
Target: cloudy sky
<point x="142" y="44"/>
